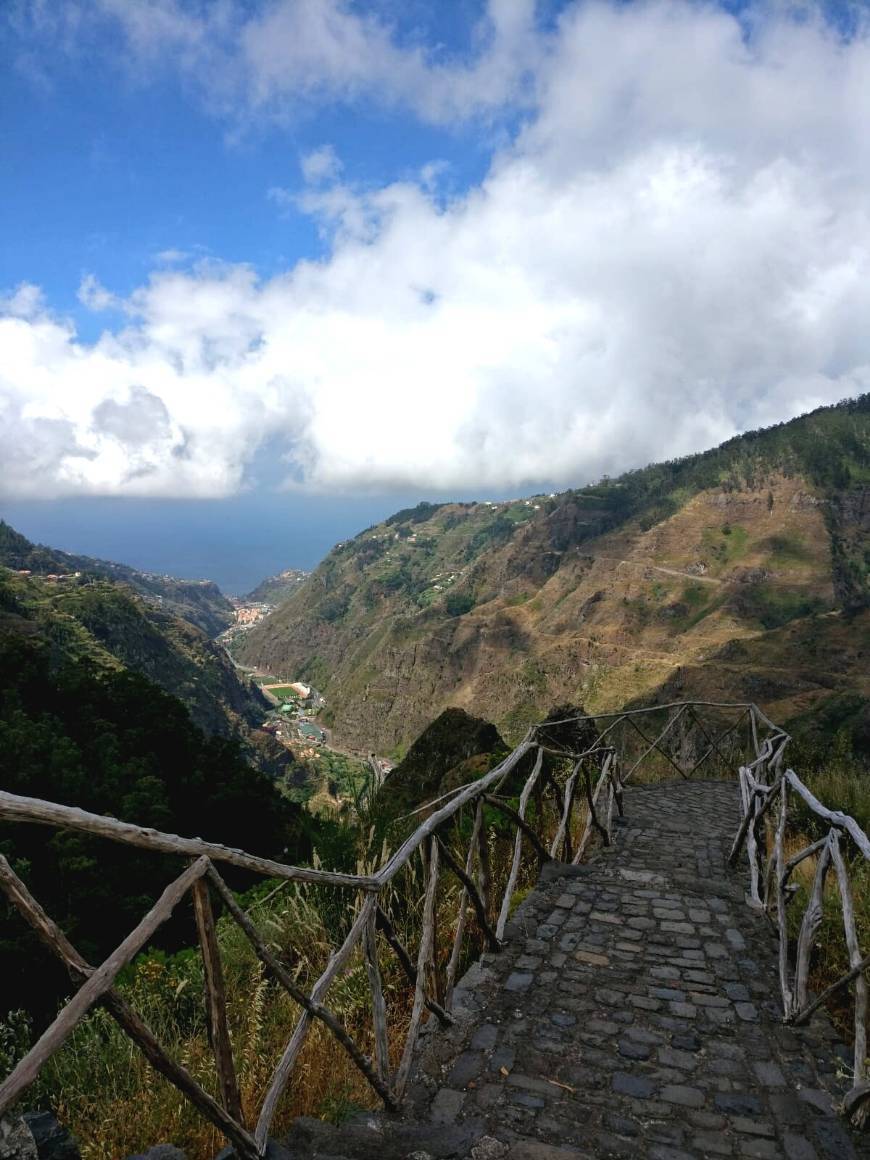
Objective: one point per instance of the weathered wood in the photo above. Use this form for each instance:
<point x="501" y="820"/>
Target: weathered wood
<point x="471" y="891"/>
<point x="284" y="1070"/>
<point x="462" y="911"/>
<point x="651" y="745"/>
<point x="754" y="729"/>
<point x="98" y="983"/>
<point x="130" y="1023"/>
<point x="857" y="1103"/>
<point x="379" y="1006"/>
<point x="619" y="714"/>
<point x="753" y="797"/>
<point x="835" y="817"/>
<point x="810" y="924"/>
<point x="714" y="744"/>
<point x="552" y="785"/>
<point x="484" y="868"/>
<point x="657" y="743"/>
<point x="821" y="999"/>
<point x="315" y="1009"/>
<point x="763" y="781"/>
<point x="608" y="811"/>
<point x="216" y="1000"/>
<point x="521" y="824"/>
<point x="781" y="917"/>
<point x="426" y="949"/>
<point x="616" y="781"/>
<point x="389" y="932"/>
<point x="754" y="814"/>
<point x="24" y="809"/>
<point x="591" y="798"/>
<point x="850" y="931"/>
<point x="564" y="829"/>
<point x="796" y="859"/>
<point x="518" y="845"/>
<point x="473" y="790"/>
<point x="587" y="828"/>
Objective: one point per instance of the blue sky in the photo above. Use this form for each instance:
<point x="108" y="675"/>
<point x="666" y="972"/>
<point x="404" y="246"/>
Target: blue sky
<point x="105" y="169"/>
<point x="277" y="267"/>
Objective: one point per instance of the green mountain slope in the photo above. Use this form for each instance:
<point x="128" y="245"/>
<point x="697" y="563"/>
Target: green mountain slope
<point x="276" y="589"/>
<point x="743" y="569"/>
<point x="75" y="730"/>
<point x="112" y="626"/>
<point x="199" y="601"/>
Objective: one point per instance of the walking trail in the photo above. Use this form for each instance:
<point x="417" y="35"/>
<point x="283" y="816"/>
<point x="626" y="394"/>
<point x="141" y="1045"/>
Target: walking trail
<point x="633" y="1012"/>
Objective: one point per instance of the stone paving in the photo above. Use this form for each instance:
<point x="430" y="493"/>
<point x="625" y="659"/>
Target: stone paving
<point x="634" y="1012"/>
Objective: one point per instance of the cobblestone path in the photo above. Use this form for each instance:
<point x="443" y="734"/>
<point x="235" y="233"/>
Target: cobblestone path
<point x="635" y="1013"/>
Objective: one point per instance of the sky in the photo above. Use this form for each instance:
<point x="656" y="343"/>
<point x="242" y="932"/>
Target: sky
<point x="270" y="269"/>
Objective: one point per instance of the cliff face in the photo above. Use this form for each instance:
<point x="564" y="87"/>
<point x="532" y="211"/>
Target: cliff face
<point x="742" y="572"/>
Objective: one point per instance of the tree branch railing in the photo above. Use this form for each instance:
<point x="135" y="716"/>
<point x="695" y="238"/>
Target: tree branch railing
<point x="555" y="796"/>
<point x="769" y="793"/>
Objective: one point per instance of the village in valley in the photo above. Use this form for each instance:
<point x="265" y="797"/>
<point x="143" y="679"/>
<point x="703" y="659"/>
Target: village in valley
<point x="294" y="720"/>
<point x="296" y="705"/>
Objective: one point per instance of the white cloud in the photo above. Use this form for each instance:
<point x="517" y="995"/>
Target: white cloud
<point x="676" y="246"/>
<point x="331" y="49"/>
<point x="274" y="57"/>
<point x="171" y="257"/>
<point x="320" y="165"/>
<point x="94" y="295"/>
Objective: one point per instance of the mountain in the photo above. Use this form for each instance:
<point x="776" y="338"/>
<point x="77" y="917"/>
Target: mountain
<point x="112" y="626"/>
<point x="276" y="589"/>
<point x="454" y="749"/>
<point x="741" y="572"/>
<point x="111" y="702"/>
<point x="200" y="602"/>
<point x="78" y="729"/>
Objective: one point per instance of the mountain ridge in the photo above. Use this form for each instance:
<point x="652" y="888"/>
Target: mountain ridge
<point x="276" y="589"/>
<point x="605" y="594"/>
<point x="200" y="602"/>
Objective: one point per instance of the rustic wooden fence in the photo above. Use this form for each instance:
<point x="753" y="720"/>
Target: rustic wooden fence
<point x="556" y="796"/>
<point x="770" y="793"/>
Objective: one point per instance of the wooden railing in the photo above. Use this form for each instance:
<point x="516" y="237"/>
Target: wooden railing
<point x="769" y="794"/>
<point x="556" y="796"/>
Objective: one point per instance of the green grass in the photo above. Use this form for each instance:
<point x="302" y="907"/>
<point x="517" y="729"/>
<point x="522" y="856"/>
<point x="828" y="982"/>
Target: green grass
<point x="840" y="781"/>
<point x="725" y="544"/>
<point x="518" y="599"/>
<point x="284" y="692"/>
<point x="696" y="602"/>
<point x="773" y="606"/>
<point x="788" y="549"/>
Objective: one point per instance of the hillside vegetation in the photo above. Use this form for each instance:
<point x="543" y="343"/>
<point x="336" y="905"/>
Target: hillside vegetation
<point x="276" y="589"/>
<point x="741" y="572"/>
<point x="83" y="734"/>
<point x="200" y="602"/>
<point x="112" y="626"/>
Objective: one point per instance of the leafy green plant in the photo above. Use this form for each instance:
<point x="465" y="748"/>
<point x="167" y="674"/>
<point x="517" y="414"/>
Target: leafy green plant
<point x="458" y="603"/>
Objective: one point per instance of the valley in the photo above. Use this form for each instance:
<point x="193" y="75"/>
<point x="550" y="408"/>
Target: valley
<point x="740" y="573"/>
<point x="737" y="574"/>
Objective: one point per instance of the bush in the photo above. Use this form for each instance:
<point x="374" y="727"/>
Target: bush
<point x="458" y="603"/>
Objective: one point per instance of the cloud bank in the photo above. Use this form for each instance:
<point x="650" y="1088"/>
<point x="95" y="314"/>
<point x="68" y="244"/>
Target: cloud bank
<point x="674" y="246"/>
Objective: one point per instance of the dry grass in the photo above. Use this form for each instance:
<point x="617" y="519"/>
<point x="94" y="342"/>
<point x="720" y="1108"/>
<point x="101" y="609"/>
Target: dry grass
<point x="103" y="1089"/>
<point x="839" y="782"/>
